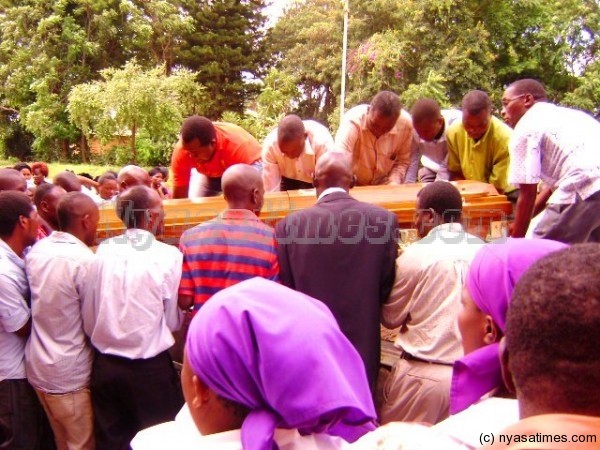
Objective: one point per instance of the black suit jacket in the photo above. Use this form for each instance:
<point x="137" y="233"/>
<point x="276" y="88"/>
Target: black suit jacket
<point x="343" y="252"/>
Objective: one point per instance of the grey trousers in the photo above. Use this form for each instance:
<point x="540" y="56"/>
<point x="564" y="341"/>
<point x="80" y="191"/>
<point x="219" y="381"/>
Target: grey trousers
<point x="575" y="223"/>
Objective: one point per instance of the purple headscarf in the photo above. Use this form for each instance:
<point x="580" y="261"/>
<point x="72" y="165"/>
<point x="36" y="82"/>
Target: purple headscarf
<point x="281" y="354"/>
<point x="491" y="280"/>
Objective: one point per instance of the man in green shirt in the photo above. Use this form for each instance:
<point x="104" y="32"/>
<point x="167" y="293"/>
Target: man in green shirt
<point x="478" y="146"/>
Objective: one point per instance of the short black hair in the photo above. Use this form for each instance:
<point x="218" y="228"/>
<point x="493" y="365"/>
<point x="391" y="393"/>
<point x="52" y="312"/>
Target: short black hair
<point x="70" y="206"/>
<point x="198" y="127"/>
<point x="86" y="175"/>
<point x="42" y="191"/>
<point x="387" y="103"/>
<point x="107" y="176"/>
<point x="444" y="198"/>
<point x="290" y="128"/>
<point x="133" y="204"/>
<point x="13" y="204"/>
<point x="159" y="169"/>
<point x="529" y="86"/>
<point x="425" y="110"/>
<point x="552" y="336"/>
<point x="476" y="101"/>
<point x="22" y="165"/>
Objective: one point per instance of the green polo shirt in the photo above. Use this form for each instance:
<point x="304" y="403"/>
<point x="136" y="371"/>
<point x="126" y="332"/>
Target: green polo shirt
<point x="485" y="160"/>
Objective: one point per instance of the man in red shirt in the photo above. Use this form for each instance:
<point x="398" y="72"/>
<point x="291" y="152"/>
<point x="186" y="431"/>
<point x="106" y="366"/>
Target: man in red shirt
<point x="210" y="148"/>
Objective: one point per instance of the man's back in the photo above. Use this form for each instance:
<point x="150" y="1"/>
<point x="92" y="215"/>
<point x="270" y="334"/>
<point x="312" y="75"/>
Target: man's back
<point x="559" y="145"/>
<point x="229" y="249"/>
<point x="131" y="308"/>
<point x="342" y="252"/>
<point x="58" y="354"/>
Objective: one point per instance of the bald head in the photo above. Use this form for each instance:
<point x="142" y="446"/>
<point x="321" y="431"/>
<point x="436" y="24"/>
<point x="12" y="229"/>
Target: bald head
<point x="68" y="181"/>
<point x="12" y="180"/>
<point x="131" y="175"/>
<point x="333" y="169"/>
<point x="78" y="215"/>
<point x="243" y="187"/>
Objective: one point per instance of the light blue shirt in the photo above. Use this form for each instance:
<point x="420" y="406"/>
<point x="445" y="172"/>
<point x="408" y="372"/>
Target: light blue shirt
<point x="14" y="313"/>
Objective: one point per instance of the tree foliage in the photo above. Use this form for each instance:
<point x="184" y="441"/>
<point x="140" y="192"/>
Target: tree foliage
<point x="224" y="48"/>
<point x="131" y="99"/>
<point x="441" y="48"/>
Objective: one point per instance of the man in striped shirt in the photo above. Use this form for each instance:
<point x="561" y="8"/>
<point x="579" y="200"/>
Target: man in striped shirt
<point x="231" y="248"/>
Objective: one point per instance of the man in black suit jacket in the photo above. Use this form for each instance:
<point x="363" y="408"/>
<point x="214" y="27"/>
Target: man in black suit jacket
<point x="342" y="252"/>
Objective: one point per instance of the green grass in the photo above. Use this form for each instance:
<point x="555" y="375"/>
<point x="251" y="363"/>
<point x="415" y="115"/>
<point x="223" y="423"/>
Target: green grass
<point x="55" y="168"/>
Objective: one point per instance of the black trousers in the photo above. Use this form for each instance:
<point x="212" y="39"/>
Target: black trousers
<point x="23" y="422"/>
<point x="132" y="394"/>
<point x="289" y="184"/>
<point x="213" y="187"/>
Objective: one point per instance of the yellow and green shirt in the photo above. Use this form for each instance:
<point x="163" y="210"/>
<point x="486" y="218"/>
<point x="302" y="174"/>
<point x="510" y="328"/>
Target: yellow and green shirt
<point x="485" y="160"/>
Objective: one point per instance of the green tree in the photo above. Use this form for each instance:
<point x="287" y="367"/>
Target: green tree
<point x="225" y="48"/>
<point x="307" y="44"/>
<point x="131" y="99"/>
<point x="279" y="96"/>
<point x="46" y="48"/>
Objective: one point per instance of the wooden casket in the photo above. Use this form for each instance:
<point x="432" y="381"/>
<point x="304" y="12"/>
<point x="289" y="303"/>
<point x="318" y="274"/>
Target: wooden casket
<point x="482" y="206"/>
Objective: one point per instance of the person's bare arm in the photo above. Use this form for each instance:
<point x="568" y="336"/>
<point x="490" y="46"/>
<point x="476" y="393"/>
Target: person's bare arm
<point x="87" y="182"/>
<point x="454" y="176"/>
<point x="180" y="191"/>
<point x="25" y="330"/>
<point x="523" y="210"/>
<point x="541" y="200"/>
<point x="185" y="302"/>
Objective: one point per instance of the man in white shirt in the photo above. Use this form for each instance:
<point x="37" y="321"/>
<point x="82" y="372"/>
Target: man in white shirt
<point x="290" y="152"/>
<point x="129" y="313"/>
<point x="558" y="146"/>
<point x="58" y="355"/>
<point x="379" y="137"/>
<point x="430" y="151"/>
<point x="21" y="415"/>
<point x="424" y="303"/>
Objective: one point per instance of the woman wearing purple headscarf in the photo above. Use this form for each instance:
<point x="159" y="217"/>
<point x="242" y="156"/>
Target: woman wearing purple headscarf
<point x="491" y="279"/>
<point x="267" y="367"/>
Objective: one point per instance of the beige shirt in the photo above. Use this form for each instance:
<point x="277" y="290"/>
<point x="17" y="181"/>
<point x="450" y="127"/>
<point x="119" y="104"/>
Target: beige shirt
<point x="426" y="294"/>
<point x="376" y="160"/>
<point x="277" y="165"/>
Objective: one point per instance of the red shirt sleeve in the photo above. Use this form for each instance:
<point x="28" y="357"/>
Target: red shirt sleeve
<point x="181" y="165"/>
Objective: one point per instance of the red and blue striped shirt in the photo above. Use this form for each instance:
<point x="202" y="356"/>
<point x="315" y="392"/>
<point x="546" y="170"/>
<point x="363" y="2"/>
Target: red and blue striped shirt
<point x="233" y="247"/>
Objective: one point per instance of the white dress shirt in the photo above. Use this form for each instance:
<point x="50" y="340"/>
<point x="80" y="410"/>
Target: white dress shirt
<point x="183" y="435"/>
<point x="558" y="146"/>
<point x="433" y="154"/>
<point x="58" y="355"/>
<point x="277" y="165"/>
<point x="430" y="275"/>
<point x="14" y="313"/>
<point x="130" y="305"/>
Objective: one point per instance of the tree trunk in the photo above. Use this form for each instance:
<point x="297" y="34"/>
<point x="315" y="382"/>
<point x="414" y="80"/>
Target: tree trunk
<point x="83" y="149"/>
<point x="133" y="147"/>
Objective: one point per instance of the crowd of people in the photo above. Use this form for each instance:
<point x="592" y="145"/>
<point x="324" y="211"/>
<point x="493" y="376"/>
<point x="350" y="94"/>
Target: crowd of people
<point x="282" y="326"/>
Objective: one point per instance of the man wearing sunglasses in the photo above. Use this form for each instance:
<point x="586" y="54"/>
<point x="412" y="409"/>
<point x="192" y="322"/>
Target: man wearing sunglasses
<point x="559" y="147"/>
